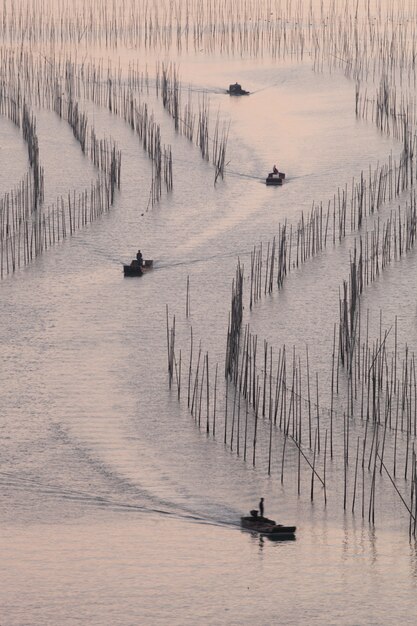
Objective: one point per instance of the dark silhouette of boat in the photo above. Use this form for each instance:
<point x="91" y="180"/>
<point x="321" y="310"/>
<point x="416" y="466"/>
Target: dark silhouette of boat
<point x="275" y="178"/>
<point x="135" y="269"/>
<point x="236" y="90"/>
<point x="267" y="527"/>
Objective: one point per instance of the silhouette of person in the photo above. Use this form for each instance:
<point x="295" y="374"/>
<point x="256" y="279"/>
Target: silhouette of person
<point x="261" y="507"/>
<point x="275" y="170"/>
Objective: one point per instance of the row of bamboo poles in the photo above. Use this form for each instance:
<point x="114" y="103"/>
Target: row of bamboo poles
<point x="362" y="39"/>
<point x="29" y="135"/>
<point x="271" y="414"/>
<point x="295" y="245"/>
<point x="372" y="253"/>
<point x="366" y="194"/>
<point x="271" y="404"/>
<point x="120" y="100"/>
<point x="263" y="396"/>
<point x="24" y="233"/>
<point x="384" y="399"/>
<point x="58" y="95"/>
<point x="379" y="390"/>
<point x="23" y="240"/>
<point x="27" y="228"/>
<point x="14" y="107"/>
<point x="194" y="128"/>
<point x="103" y="153"/>
<point x="57" y="83"/>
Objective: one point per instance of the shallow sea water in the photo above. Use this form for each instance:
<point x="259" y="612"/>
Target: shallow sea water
<point x="116" y="507"/>
<point x="135" y="568"/>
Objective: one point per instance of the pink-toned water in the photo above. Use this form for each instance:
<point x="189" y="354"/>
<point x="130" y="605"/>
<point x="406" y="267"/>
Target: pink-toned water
<point x="115" y="507"/>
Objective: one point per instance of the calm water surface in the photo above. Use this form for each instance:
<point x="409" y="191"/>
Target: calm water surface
<point x="139" y="568"/>
<point x="116" y="508"/>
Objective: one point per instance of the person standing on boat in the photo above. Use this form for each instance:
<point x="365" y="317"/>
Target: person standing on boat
<point x="139" y="258"/>
<point x="261" y="507"/>
<point x="275" y="170"/>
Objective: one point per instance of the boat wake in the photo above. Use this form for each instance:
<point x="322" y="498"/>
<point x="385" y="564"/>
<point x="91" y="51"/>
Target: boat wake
<point x="242" y="175"/>
<point x="172" y="264"/>
<point x="25" y="484"/>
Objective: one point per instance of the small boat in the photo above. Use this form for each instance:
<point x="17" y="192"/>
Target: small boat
<point x="236" y="90"/>
<point x="267" y="527"/>
<point x="134" y="269"/>
<point x="275" y="179"/>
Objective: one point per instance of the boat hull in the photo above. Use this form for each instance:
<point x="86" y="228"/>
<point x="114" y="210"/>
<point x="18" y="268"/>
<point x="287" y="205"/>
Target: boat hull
<point x="236" y="90"/>
<point x="275" y="179"/>
<point x="267" y="527"/>
<point x="134" y="268"/>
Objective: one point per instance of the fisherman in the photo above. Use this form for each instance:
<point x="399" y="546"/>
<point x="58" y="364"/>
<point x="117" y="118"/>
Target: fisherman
<point x="261" y="507"/>
<point x="139" y="258"/>
<point x="275" y="170"/>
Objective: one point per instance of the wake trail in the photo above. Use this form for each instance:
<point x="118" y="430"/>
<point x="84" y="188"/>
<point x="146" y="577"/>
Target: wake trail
<point x="8" y="479"/>
<point x="189" y="262"/>
<point x="243" y="175"/>
<point x="264" y="88"/>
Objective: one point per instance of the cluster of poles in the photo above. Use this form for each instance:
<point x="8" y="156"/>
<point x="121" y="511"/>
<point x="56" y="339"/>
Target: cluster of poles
<point x="58" y="84"/>
<point x="364" y="40"/>
<point x="272" y="407"/>
<point x="373" y="368"/>
<point x="194" y="127"/>
<point x="103" y="153"/>
<point x="13" y="106"/>
<point x="393" y="113"/>
<point x="56" y="77"/>
<point x="120" y="99"/>
<point x="25" y="236"/>
<point x="346" y="212"/>
<point x="27" y="227"/>
<point x="271" y="412"/>
<point x="31" y="139"/>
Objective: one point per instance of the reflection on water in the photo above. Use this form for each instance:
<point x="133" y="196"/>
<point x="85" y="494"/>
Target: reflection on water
<point x="152" y="569"/>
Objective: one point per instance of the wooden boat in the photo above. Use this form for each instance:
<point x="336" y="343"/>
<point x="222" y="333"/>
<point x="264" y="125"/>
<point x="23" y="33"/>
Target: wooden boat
<point x="267" y="527"/>
<point x="134" y="268"/>
<point x="236" y="90"/>
<point x="275" y="179"/>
